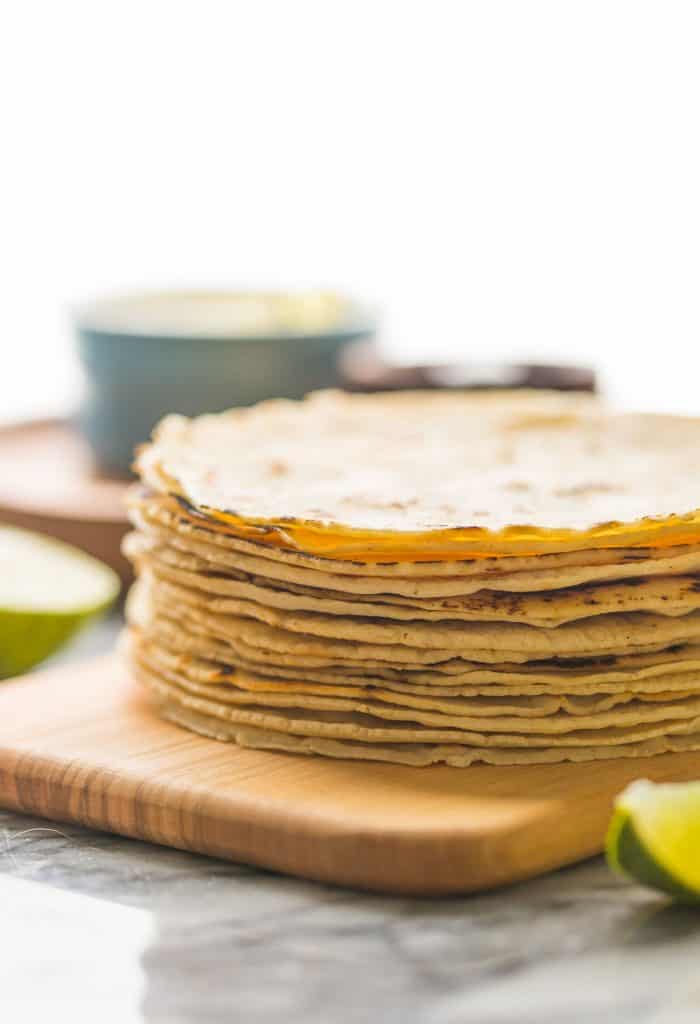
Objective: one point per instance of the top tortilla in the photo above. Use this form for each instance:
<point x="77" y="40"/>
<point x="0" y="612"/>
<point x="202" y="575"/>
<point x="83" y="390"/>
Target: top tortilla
<point x="161" y="517"/>
<point x="419" y="476"/>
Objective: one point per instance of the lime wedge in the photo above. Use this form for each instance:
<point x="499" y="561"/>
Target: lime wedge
<point x="654" y="837"/>
<point x="48" y="591"/>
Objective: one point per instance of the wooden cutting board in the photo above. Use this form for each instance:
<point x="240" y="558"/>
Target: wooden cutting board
<point x="79" y="744"/>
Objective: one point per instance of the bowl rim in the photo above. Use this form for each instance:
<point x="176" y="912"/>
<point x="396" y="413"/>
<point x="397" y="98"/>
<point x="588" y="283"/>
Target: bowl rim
<point x="97" y="316"/>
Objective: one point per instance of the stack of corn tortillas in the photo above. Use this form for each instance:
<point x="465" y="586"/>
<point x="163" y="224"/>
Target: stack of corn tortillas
<point x="420" y="578"/>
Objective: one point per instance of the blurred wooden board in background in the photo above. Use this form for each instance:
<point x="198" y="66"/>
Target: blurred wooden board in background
<point x="48" y="483"/>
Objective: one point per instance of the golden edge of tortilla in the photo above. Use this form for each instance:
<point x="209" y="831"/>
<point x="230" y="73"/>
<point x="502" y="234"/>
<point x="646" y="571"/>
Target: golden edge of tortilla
<point x="456" y="543"/>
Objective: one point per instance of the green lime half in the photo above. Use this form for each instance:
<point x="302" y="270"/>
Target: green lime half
<point x="48" y="591"/>
<point x="654" y="837"/>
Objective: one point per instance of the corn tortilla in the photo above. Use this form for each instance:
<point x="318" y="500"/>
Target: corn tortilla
<point x="556" y="714"/>
<point x="556" y="473"/>
<point x="615" y="632"/>
<point x="164" y="519"/>
<point x="651" y="682"/>
<point x="417" y="755"/>
<point x="367" y="728"/>
<point x="664" y="595"/>
<point x="422" y="578"/>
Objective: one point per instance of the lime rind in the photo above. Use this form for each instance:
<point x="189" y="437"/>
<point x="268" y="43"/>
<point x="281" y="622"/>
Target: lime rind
<point x="635" y="846"/>
<point x="27" y="640"/>
<point x="628" y="856"/>
<point x="49" y="591"/>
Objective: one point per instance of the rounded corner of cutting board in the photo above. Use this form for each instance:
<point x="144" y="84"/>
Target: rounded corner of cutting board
<point x="98" y="755"/>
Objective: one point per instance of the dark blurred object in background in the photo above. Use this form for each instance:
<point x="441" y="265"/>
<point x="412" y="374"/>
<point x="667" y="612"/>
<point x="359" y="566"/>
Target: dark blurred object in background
<point x="364" y="368"/>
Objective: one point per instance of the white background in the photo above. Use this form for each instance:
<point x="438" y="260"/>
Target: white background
<point x="507" y="179"/>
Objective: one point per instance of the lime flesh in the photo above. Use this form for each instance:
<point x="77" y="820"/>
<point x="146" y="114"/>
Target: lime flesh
<point x="48" y="591"/>
<point x="654" y="837"/>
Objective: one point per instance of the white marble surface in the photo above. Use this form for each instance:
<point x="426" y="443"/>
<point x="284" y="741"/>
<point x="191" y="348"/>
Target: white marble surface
<point x="102" y="928"/>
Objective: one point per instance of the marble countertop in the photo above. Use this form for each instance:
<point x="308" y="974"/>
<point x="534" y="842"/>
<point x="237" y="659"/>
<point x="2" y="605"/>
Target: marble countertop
<point x="100" y="928"/>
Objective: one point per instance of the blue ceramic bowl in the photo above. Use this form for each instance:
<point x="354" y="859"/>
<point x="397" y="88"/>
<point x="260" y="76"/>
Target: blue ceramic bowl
<point x="195" y="351"/>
